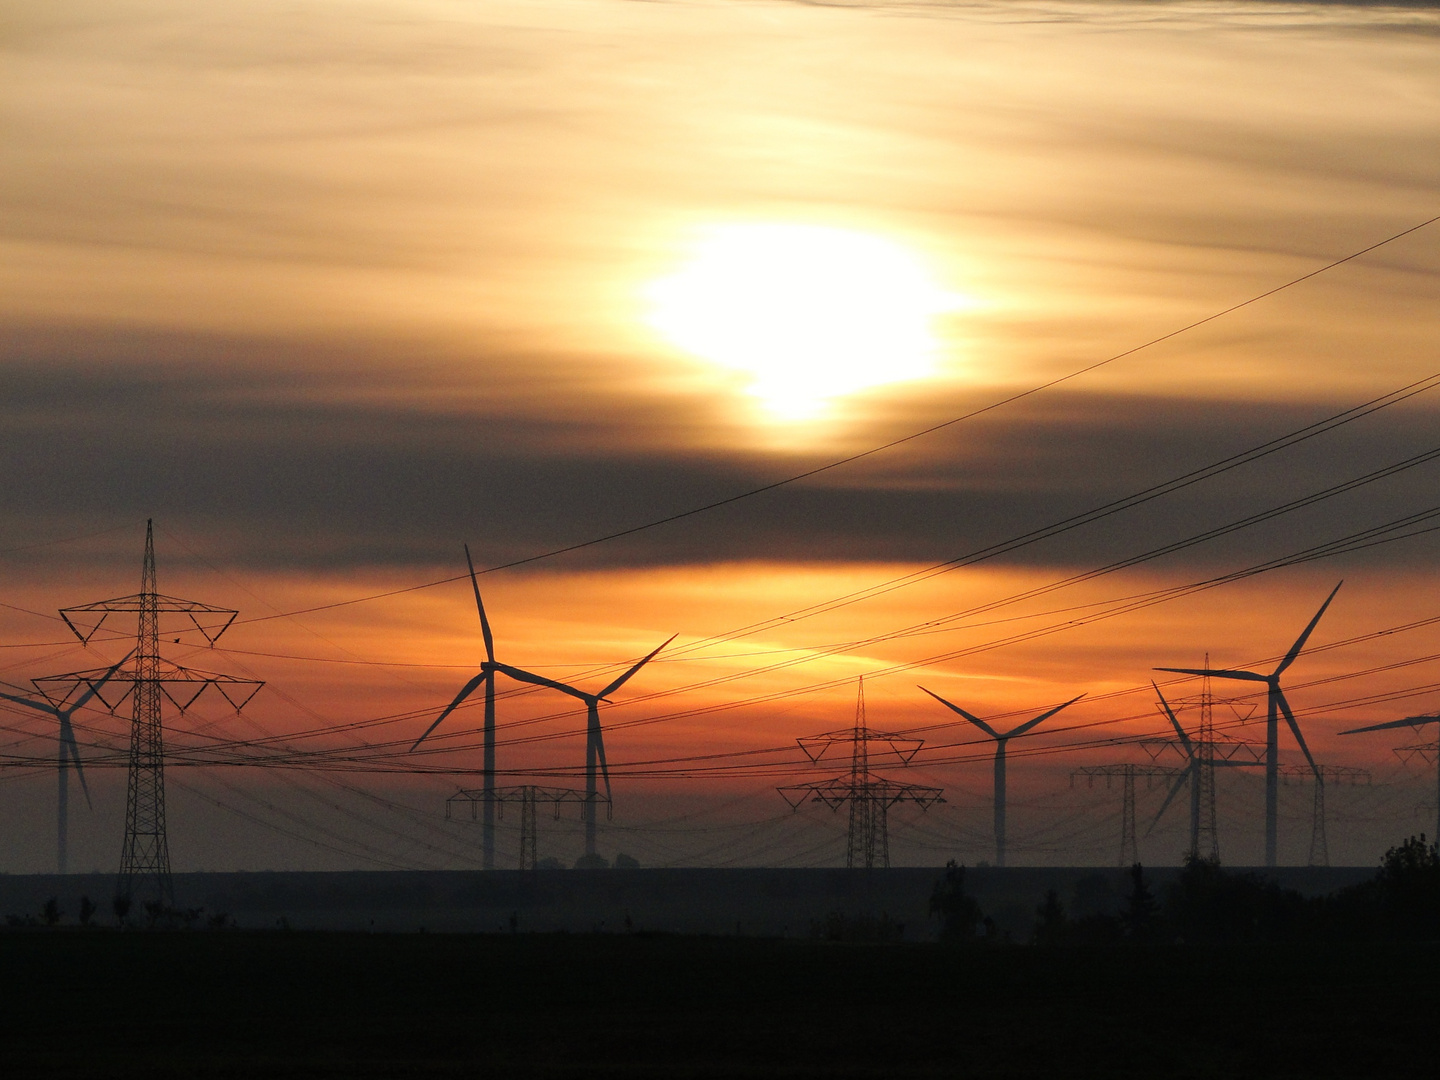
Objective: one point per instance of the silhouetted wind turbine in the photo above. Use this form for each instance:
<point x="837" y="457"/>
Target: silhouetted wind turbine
<point x="1275" y="704"/>
<point x="1415" y="722"/>
<point x="594" y="736"/>
<point x="69" y="753"/>
<point x="488" y="670"/>
<point x="1000" y="743"/>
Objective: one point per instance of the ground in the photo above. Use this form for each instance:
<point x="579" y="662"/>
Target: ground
<point x="275" y="1003"/>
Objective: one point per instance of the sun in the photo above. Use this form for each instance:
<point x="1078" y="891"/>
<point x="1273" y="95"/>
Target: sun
<point x="807" y="314"/>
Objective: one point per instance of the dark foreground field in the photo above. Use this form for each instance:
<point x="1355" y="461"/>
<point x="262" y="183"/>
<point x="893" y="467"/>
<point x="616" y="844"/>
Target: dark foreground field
<point x="209" y="1004"/>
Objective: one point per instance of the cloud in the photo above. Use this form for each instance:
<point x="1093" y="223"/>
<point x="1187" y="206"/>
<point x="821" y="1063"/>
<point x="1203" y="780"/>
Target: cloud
<point x="297" y="464"/>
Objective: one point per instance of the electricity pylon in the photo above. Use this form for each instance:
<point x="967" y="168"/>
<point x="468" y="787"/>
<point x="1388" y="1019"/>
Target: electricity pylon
<point x="1129" y="842"/>
<point x="1428" y="752"/>
<point x="1204" y="754"/>
<point x="528" y="796"/>
<point x="868" y="796"/>
<point x="1322" y="775"/>
<point x="151" y="680"/>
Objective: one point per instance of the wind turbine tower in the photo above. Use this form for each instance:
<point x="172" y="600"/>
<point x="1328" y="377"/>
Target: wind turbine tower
<point x="68" y="754"/>
<point x="1001" y="742"/>
<point x="596" y="766"/>
<point x="1275" y="706"/>
<point x="489" y="668"/>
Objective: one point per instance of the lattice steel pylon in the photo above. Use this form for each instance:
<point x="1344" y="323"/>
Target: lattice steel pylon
<point x="1207" y="830"/>
<point x="1322" y="775"/>
<point x="1129" y="839"/>
<point x="529" y="796"/>
<point x="146" y="852"/>
<point x="868" y="796"/>
<point x="1204" y="754"/>
<point x="151" y="680"/>
<point x="1429" y="752"/>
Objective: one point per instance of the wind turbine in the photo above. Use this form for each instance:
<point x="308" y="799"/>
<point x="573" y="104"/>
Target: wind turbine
<point x="594" y="737"/>
<point x="1414" y="722"/>
<point x="488" y="670"/>
<point x="1000" y="743"/>
<point x="69" y="753"/>
<point x="1275" y="704"/>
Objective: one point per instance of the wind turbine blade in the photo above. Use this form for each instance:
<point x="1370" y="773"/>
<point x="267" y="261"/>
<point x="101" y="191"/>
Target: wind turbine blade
<point x="623" y="679"/>
<point x="981" y="724"/>
<point x="480" y="607"/>
<point x="520" y="675"/>
<point x="46" y="707"/>
<point x="600" y="747"/>
<point x="465" y="692"/>
<point x="1305" y="636"/>
<point x="1023" y="728"/>
<point x="70" y="749"/>
<point x="1180" y="781"/>
<point x="1180" y="731"/>
<point x="1295" y="730"/>
<point x="1409" y="721"/>
<point x="92" y="689"/>
<point x="1219" y="673"/>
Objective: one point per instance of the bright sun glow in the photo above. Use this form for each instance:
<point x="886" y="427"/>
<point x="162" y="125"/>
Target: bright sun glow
<point x="809" y="314"/>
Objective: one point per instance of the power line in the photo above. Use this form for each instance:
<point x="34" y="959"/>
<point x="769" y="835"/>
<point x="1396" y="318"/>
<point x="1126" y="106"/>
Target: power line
<point x="892" y="444"/>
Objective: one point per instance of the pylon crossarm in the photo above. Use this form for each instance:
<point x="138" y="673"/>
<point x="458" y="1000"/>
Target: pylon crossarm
<point x="815" y="746"/>
<point x="210" y="628"/>
<point x="170" y="678"/>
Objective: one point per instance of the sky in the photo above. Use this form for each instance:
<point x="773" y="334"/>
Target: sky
<point x="329" y="290"/>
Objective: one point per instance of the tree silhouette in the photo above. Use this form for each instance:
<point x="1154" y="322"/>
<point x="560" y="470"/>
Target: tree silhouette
<point x="1140" y="906"/>
<point x="957" y="910"/>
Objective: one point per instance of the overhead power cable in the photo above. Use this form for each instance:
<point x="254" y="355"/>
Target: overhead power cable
<point x="794" y="478"/>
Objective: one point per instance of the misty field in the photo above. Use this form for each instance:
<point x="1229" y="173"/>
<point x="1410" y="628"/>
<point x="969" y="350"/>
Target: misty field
<point x="275" y="1003"/>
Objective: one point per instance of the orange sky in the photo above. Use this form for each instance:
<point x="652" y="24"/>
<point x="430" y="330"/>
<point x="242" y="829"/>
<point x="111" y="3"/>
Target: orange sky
<point x="330" y="289"/>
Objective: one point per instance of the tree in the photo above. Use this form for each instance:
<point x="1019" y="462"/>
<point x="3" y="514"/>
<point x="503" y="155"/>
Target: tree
<point x="51" y="911"/>
<point x="87" y="910"/>
<point x="1409" y="881"/>
<point x="1051" y="926"/>
<point x="121" y="906"/>
<point x="1139" y="915"/>
<point x="957" y="910"/>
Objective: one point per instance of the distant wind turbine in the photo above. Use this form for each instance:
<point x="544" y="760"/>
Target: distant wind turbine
<point x="1275" y="704"/>
<point x="594" y="736"/>
<point x="488" y="670"/>
<point x="69" y="753"/>
<point x="1000" y="744"/>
